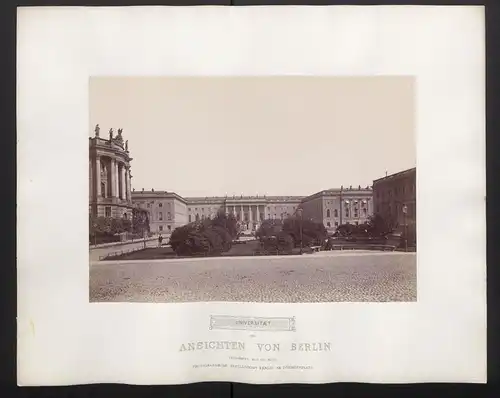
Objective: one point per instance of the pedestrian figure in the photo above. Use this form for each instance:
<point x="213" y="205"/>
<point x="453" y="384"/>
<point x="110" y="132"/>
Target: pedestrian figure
<point x="160" y="239"/>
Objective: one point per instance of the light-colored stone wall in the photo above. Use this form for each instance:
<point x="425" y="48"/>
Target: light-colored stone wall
<point x="337" y="207"/>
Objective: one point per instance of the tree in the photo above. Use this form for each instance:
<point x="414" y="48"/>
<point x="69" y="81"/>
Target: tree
<point x="207" y="237"/>
<point x="312" y="232"/>
<point x="379" y="225"/>
<point x="269" y="228"/>
<point x="140" y="221"/>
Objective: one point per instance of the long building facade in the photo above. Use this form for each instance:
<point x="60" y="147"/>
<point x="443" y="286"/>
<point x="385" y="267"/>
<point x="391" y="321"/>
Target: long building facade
<point x="331" y="207"/>
<point x="111" y="195"/>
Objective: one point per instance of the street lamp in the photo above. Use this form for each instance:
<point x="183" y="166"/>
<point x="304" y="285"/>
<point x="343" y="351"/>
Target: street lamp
<point x="405" y="210"/>
<point x="299" y="213"/>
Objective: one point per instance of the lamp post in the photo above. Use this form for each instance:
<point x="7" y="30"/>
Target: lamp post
<point x="405" y="210"/>
<point x="299" y="213"/>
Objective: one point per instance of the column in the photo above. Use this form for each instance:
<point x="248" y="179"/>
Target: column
<point x="117" y="183"/>
<point x="242" y="216"/>
<point x="234" y="211"/>
<point x="257" y="214"/>
<point x="112" y="177"/>
<point x="127" y="179"/>
<point x="91" y="180"/>
<point x="124" y="185"/>
<point x="250" y="216"/>
<point x="97" y="180"/>
<point x="129" y="187"/>
<point x="265" y="212"/>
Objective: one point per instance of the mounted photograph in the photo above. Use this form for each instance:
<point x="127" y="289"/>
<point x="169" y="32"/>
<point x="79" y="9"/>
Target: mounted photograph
<point x="278" y="189"/>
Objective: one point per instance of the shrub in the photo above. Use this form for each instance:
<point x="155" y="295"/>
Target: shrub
<point x="269" y="228"/>
<point x="312" y="232"/>
<point x="201" y="237"/>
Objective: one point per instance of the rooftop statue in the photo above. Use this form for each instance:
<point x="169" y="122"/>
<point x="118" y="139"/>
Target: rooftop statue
<point x="97" y="130"/>
<point x="110" y="134"/>
<point x="119" y="137"/>
<point x="126" y="145"/>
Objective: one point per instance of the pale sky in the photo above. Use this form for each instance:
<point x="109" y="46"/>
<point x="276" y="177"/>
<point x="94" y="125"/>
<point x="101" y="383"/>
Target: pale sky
<point x="211" y="136"/>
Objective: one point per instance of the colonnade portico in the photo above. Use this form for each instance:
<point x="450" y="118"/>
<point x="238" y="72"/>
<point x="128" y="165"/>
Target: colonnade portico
<point x="119" y="179"/>
<point x="110" y="177"/>
<point x="251" y="213"/>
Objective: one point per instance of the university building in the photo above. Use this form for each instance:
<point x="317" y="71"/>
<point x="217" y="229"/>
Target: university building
<point x="110" y="195"/>
<point x="331" y="207"/>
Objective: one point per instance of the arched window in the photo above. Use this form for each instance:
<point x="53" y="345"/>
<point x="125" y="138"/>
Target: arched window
<point x="328" y="214"/>
<point x="125" y="216"/>
<point x="335" y="213"/>
<point x="328" y="224"/>
<point x="190" y="218"/>
<point x="197" y="217"/>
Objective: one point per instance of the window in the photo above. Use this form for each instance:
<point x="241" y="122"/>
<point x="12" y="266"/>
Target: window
<point x="160" y="204"/>
<point x="355" y="222"/>
<point x="336" y="223"/>
<point x="335" y="213"/>
<point x="160" y="228"/>
<point x="107" y="211"/>
<point x="328" y="214"/>
<point x="328" y="224"/>
<point x="149" y="205"/>
<point x="160" y="216"/>
<point x="347" y="212"/>
<point x="190" y="218"/>
<point x="169" y="216"/>
<point x="103" y="189"/>
<point x="125" y="216"/>
<point x="365" y="211"/>
<point x="169" y="227"/>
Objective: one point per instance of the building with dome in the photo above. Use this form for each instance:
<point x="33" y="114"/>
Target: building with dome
<point x="109" y="176"/>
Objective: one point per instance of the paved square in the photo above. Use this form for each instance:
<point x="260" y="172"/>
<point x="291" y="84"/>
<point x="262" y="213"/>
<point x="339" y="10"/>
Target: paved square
<point x="322" y="277"/>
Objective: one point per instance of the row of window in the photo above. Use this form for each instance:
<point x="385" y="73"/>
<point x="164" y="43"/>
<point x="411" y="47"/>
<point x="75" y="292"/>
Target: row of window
<point x="160" y="216"/>
<point x="347" y="213"/>
<point x="397" y="191"/>
<point x="107" y="212"/>
<point x="328" y="224"/>
<point x="237" y="208"/>
<point x="160" y="228"/>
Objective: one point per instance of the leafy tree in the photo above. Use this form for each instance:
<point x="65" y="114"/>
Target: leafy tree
<point x="269" y="227"/>
<point x="381" y="225"/>
<point x="312" y="232"/>
<point x="140" y="221"/>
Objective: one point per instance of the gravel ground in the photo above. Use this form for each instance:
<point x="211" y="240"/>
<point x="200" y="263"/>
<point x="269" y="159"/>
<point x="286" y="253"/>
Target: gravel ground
<point x="328" y="277"/>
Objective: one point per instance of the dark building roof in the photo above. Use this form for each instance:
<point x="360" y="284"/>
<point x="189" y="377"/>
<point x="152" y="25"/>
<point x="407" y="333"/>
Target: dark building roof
<point x="400" y="174"/>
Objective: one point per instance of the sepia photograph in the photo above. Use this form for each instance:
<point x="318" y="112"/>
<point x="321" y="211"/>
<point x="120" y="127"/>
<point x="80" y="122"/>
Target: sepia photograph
<point x="278" y="189"/>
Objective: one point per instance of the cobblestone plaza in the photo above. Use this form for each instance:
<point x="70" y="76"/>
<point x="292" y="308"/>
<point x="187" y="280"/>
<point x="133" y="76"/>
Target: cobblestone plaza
<point x="322" y="277"/>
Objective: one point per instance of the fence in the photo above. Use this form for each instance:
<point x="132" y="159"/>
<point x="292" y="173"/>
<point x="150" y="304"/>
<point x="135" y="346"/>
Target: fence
<point x="119" y="253"/>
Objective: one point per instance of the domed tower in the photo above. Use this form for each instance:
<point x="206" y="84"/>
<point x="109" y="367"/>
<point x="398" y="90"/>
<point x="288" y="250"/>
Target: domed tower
<point x="109" y="176"/>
